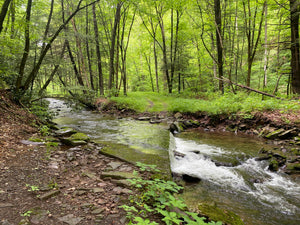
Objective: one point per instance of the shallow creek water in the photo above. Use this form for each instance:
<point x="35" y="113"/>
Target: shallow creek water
<point x="247" y="188"/>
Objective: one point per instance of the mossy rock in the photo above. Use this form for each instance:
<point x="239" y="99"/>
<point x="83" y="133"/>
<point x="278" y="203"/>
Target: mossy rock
<point x="80" y="137"/>
<point x="274" y="165"/>
<point x="216" y="214"/>
<point x="76" y="139"/>
<point x="275" y="134"/>
<point x="293" y="168"/>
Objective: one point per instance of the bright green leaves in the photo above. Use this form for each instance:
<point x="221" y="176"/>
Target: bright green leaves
<point x="155" y="199"/>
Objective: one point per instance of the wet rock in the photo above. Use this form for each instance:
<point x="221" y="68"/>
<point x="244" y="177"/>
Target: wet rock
<point x="275" y="134"/>
<point x="217" y="214"/>
<point x="65" y="132"/>
<point x="144" y="118"/>
<point x="70" y="219"/>
<point x="76" y="139"/>
<point x="265" y="157"/>
<point x="178" y="154"/>
<point x="225" y="164"/>
<point x="190" y="179"/>
<point x="178" y="115"/>
<point x="274" y="165"/>
<point x="175" y="128"/>
<point x="157" y="121"/>
<point x="293" y="168"/>
<point x="257" y="180"/>
<point x="70" y="142"/>
<point x="288" y="134"/>
<point x="190" y="124"/>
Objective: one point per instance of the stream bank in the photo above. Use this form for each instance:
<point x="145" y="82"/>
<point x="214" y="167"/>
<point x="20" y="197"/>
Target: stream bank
<point x="276" y="128"/>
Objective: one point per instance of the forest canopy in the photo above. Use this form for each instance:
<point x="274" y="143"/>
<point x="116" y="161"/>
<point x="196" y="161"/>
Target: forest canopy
<point x="104" y="48"/>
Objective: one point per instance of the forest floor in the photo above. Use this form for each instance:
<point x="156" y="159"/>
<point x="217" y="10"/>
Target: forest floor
<point x="40" y="185"/>
<point x="61" y="186"/>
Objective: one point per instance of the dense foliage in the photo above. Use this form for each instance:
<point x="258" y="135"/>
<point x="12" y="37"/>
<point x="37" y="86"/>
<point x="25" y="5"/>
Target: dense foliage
<point x="89" y="48"/>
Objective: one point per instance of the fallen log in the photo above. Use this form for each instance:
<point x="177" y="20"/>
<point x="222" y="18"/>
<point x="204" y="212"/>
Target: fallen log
<point x="248" y="88"/>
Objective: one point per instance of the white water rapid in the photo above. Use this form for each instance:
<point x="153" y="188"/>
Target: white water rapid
<point x="250" y="178"/>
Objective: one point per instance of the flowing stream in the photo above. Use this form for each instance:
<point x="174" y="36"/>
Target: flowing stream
<point x="230" y="176"/>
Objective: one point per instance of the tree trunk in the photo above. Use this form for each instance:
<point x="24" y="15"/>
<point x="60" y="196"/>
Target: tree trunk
<point x="250" y="23"/>
<point x="3" y="13"/>
<point x="26" y="47"/>
<point x="266" y="48"/>
<point x="53" y="72"/>
<point x="150" y="72"/>
<point x="164" y="48"/>
<point x="112" y="47"/>
<point x="295" y="61"/>
<point x="88" y="50"/>
<point x="218" y="20"/>
<point x="98" y="53"/>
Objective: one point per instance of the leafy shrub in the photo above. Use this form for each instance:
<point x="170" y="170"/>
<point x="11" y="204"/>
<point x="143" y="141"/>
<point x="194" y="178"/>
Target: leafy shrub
<point x="156" y="197"/>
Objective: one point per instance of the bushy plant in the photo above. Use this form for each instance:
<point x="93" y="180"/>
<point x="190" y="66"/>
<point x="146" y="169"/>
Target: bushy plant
<point x="156" y="198"/>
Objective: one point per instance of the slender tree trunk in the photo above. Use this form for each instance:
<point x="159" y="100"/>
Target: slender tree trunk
<point x="150" y="72"/>
<point x="250" y="23"/>
<point x="3" y="13"/>
<point x="88" y="50"/>
<point x="81" y="61"/>
<point x="26" y="47"/>
<point x="266" y="48"/>
<point x="13" y="18"/>
<point x="164" y="48"/>
<point x="112" y="47"/>
<point x="295" y="46"/>
<point x="54" y="71"/>
<point x="155" y="54"/>
<point x="218" y="20"/>
<point x="77" y="74"/>
<point x="98" y="53"/>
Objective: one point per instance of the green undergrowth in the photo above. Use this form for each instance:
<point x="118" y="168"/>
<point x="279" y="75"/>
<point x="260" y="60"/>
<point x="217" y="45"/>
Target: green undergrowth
<point x="212" y="104"/>
<point x="157" y="200"/>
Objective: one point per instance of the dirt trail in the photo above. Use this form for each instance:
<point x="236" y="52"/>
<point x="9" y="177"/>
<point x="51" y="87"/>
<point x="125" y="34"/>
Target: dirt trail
<point x="55" y="185"/>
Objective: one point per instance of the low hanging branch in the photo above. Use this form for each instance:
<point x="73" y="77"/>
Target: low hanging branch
<point x="248" y="88"/>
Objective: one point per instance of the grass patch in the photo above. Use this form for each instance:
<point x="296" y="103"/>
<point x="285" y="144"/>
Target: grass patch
<point x="211" y="104"/>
